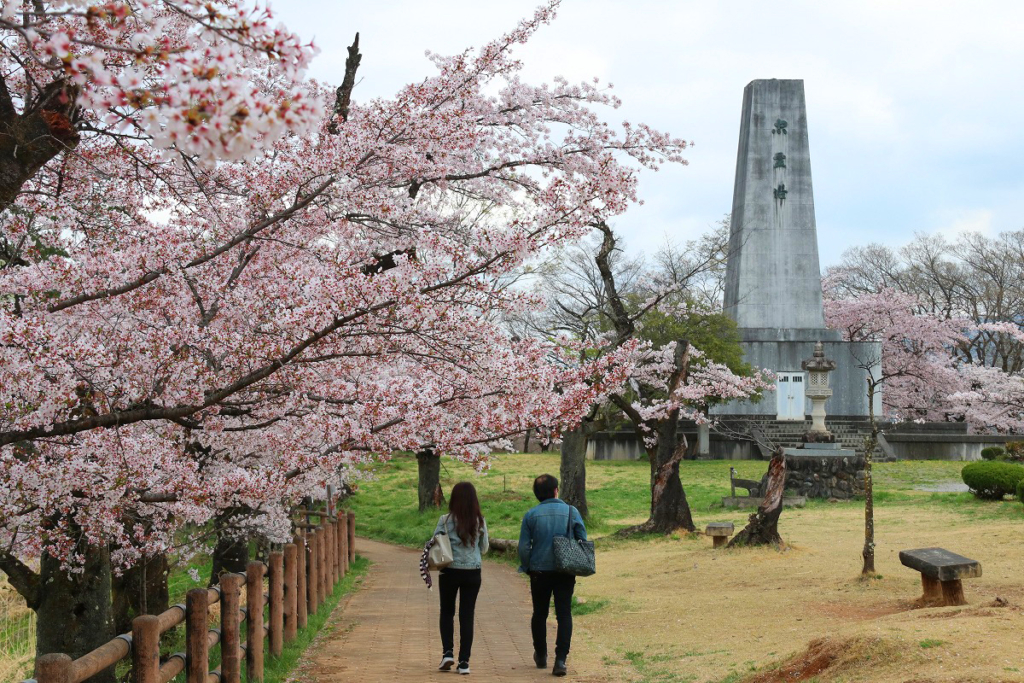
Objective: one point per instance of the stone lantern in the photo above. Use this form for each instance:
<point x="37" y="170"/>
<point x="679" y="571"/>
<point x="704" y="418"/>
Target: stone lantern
<point x="818" y="390"/>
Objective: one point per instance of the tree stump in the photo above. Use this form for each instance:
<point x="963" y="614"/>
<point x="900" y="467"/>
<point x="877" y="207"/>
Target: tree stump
<point x="763" y="527"/>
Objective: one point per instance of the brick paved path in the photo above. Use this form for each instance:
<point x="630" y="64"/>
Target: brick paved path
<point x="387" y="630"/>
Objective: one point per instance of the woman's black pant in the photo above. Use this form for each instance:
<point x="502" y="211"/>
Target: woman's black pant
<point x="450" y="583"/>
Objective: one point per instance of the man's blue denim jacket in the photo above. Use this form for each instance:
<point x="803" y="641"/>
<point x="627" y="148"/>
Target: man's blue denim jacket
<point x="464" y="556"/>
<point x="541" y="524"/>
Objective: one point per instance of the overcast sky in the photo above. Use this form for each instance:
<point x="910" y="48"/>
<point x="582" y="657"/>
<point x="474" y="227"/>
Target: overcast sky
<point x="914" y="108"/>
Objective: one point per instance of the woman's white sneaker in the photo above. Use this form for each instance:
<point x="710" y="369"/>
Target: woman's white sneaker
<point x="447" y="662"/>
<point x="463" y="668"/>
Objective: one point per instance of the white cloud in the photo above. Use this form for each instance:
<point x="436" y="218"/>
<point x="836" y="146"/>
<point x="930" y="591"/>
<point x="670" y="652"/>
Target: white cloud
<point x="955" y="222"/>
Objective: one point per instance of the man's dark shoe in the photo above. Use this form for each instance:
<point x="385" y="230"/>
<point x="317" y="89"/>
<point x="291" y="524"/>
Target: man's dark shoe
<point x="559" y="669"/>
<point x="540" y="660"/>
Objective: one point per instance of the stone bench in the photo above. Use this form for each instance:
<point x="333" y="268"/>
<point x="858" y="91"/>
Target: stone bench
<point x="719" y="532"/>
<point x="942" y="573"/>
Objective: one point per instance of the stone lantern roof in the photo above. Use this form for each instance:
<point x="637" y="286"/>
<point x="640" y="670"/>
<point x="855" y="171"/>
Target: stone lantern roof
<point x="818" y="362"/>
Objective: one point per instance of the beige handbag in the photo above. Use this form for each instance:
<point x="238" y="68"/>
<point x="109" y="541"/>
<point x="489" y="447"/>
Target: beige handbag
<point x="440" y="554"/>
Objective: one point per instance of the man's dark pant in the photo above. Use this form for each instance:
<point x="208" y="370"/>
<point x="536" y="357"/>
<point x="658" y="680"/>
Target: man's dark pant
<point x="451" y="582"/>
<point x="542" y="586"/>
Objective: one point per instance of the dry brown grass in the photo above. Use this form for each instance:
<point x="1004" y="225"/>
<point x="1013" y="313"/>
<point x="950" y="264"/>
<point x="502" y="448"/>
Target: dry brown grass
<point x="680" y="611"/>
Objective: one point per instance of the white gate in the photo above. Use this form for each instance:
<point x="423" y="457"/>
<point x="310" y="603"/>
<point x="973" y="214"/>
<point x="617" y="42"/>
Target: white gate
<point x="789" y="396"/>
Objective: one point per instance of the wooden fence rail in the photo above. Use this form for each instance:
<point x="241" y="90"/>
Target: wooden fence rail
<point x="300" y="578"/>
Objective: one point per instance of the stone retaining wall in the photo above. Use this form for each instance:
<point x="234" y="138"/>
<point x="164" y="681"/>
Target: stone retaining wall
<point x="823" y="478"/>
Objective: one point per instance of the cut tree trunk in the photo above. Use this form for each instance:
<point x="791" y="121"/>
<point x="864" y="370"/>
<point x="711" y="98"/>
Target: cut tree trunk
<point x="503" y="545"/>
<point x="74" y="612"/>
<point x="431" y="496"/>
<point x="129" y="598"/>
<point x="763" y="528"/>
<point x="572" y="487"/>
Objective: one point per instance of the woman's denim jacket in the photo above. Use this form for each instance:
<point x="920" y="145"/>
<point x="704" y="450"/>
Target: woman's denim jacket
<point x="465" y="557"/>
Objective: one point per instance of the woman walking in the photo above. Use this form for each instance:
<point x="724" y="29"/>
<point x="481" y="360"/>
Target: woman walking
<point x="467" y="532"/>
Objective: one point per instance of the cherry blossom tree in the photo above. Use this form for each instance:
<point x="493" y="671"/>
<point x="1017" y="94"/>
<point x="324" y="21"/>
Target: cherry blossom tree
<point x="973" y="276"/>
<point x="211" y="80"/>
<point x="605" y="302"/>
<point x="991" y="398"/>
<point x="182" y="338"/>
<point x="916" y="366"/>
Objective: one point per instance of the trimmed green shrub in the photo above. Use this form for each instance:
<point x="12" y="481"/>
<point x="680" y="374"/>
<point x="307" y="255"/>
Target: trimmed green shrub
<point x="1015" y="451"/>
<point x="991" y="453"/>
<point x="1020" y="490"/>
<point x="992" y="480"/>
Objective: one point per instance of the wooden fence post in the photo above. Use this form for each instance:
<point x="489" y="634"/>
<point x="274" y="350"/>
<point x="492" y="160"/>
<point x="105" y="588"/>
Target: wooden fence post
<point x="197" y="648"/>
<point x="313" y="580"/>
<point x="325" y="579"/>
<point x="342" y="548"/>
<point x="321" y="561"/>
<point x="290" y="601"/>
<point x="351" y="537"/>
<point x="345" y="541"/>
<point x="340" y="569"/>
<point x="146" y="649"/>
<point x="276" y="603"/>
<point x="301" y="604"/>
<point x="254" y="620"/>
<point x="53" y="668"/>
<point x="332" y="563"/>
<point x="230" y="662"/>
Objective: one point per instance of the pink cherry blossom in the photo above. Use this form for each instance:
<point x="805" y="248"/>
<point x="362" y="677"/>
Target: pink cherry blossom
<point x="241" y="327"/>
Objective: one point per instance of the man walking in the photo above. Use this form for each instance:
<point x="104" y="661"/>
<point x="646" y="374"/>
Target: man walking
<point x="537" y="558"/>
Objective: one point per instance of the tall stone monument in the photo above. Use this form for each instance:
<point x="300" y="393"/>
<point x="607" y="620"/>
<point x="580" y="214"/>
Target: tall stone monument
<point x="773" y="279"/>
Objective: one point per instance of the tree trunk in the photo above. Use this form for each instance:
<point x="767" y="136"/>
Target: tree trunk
<point x="763" y="527"/>
<point x="74" y="612"/>
<point x="231" y="554"/>
<point x="572" y="486"/>
<point x="526" y="440"/>
<point x="869" y="497"/>
<point x="131" y="598"/>
<point x="431" y="496"/>
<point x="670" y="510"/>
<point x="29" y="140"/>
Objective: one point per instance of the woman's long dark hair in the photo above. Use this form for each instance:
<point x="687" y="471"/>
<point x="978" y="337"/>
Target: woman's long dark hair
<point x="465" y="508"/>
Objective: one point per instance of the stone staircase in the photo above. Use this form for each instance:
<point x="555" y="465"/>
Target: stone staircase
<point x="850" y="432"/>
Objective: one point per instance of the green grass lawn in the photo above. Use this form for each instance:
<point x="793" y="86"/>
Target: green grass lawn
<point x="618" y="492"/>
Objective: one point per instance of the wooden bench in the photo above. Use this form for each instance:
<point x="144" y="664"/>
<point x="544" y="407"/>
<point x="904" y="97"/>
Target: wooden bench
<point x="942" y="573"/>
<point x="719" y="532"/>
<point x="753" y="487"/>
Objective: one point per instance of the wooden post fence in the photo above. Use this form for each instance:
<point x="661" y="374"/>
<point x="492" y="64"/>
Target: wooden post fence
<point x="254" y="616"/>
<point x="313" y="596"/>
<point x="344" y="543"/>
<point x="290" y="591"/>
<point x="300" y="579"/>
<point x="276" y="603"/>
<point x="230" y="649"/>
<point x="351" y="537"/>
<point x="301" y="613"/>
